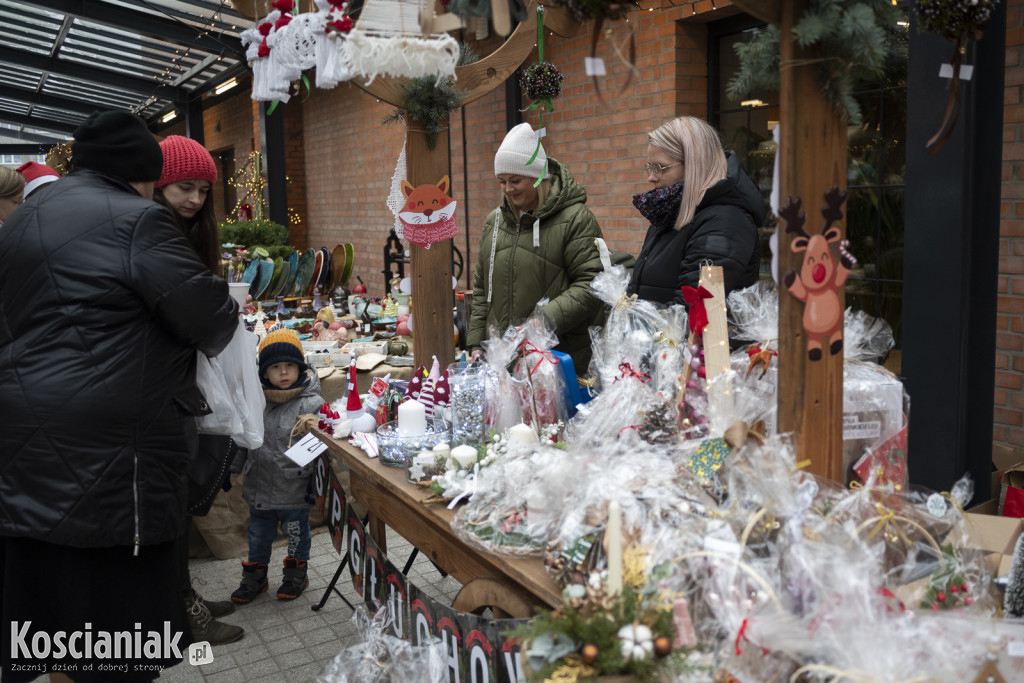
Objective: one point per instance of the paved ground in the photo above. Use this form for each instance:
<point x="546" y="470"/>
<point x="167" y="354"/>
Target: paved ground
<point x="287" y="641"/>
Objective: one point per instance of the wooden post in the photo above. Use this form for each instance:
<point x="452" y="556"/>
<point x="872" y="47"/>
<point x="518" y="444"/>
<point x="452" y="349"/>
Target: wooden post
<point x="431" y="269"/>
<point x="812" y="151"/>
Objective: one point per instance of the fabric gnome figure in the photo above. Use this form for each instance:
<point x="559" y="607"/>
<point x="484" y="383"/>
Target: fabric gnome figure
<point x="361" y="421"/>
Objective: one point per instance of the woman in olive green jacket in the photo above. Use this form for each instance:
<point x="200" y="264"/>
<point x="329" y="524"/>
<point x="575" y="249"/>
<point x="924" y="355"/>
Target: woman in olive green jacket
<point x="542" y="248"/>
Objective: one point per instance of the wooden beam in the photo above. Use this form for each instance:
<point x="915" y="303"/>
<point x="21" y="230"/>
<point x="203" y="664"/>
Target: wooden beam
<point x="765" y="10"/>
<point x="431" y="269"/>
<point x="813" y="159"/>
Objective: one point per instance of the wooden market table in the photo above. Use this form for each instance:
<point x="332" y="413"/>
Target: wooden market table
<point x="512" y="586"/>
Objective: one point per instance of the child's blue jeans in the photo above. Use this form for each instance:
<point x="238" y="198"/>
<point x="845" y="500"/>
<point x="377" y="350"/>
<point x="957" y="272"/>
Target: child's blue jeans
<point x="263" y="530"/>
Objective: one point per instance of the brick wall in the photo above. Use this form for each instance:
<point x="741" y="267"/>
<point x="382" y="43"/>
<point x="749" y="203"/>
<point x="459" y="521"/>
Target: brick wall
<point x="1009" y="398"/>
<point x="228" y="134"/>
<point x="341" y="158"/>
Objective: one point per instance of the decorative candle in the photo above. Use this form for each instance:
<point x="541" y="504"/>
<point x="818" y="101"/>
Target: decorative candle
<point x="412" y="419"/>
<point x="613" y="546"/>
<point x="442" y="450"/>
<point x="523" y="434"/>
<point x="464" y="456"/>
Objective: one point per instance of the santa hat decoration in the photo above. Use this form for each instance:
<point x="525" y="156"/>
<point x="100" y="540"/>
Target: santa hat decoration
<point x="441" y="391"/>
<point x="324" y="415"/>
<point x="36" y="175"/>
<point x="432" y="391"/>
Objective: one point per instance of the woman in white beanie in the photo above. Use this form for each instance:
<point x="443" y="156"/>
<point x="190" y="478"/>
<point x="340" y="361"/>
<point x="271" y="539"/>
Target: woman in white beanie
<point x="538" y="244"/>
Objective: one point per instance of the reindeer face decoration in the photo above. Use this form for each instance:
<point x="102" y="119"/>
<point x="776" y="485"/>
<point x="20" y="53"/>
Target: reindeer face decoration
<point x="820" y="276"/>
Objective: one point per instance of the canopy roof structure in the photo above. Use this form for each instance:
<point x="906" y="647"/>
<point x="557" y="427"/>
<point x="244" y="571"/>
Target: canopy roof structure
<point x="61" y="60"/>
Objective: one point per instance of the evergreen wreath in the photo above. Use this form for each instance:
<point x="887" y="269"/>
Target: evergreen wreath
<point x="954" y="19"/>
<point x="542" y="81"/>
<point x="851" y="36"/>
<point x="430" y="102"/>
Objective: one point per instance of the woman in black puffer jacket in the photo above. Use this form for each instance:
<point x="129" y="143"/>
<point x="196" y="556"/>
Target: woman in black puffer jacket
<point x="103" y="304"/>
<point x="703" y="207"/>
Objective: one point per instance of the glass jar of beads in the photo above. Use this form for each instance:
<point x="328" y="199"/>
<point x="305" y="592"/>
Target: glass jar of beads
<point x="395" y="448"/>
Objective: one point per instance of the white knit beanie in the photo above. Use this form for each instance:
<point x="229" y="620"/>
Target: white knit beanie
<point x="516" y="149"/>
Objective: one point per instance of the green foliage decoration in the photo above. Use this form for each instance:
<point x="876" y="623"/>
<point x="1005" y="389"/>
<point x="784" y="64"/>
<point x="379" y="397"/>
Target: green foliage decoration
<point x="851" y="38"/>
<point x="954" y="19"/>
<point x="254" y="232"/>
<point x="430" y="101"/>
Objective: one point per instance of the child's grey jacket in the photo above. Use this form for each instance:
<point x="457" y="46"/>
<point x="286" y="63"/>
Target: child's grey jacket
<point x="272" y="481"/>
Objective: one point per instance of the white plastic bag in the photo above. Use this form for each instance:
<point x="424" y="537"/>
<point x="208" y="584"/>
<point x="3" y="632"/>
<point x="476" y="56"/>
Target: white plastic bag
<point x="238" y="366"/>
<point x="224" y="417"/>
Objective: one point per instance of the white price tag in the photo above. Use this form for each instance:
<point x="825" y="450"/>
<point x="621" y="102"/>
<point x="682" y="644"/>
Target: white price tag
<point x="966" y="71"/>
<point x="1015" y="648"/>
<point x="305" y="450"/>
<point x="594" y="66"/>
<point x="541" y="132"/>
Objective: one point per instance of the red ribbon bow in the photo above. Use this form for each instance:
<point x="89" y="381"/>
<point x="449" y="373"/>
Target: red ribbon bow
<point x="628" y="371"/>
<point x="698" y="315"/>
<point x="528" y="347"/>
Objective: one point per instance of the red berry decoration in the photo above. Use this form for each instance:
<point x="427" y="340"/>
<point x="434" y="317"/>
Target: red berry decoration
<point x="940" y="596"/>
<point x="954" y="588"/>
<point x="964" y="588"/>
<point x="968" y="601"/>
<point x="935" y="605"/>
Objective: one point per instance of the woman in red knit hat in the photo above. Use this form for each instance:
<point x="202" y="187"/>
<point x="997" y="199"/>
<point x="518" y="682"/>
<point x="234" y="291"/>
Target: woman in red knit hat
<point x="184" y="186"/>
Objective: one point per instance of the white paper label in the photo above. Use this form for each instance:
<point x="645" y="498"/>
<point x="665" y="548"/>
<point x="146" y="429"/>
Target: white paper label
<point x="594" y="66"/>
<point x="1015" y="648"/>
<point x="966" y="71"/>
<point x="852" y="429"/>
<point x="541" y="132"/>
<point x="306" y="449"/>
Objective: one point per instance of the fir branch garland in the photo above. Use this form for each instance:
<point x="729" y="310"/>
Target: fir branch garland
<point x="851" y="35"/>
<point x="430" y="102"/>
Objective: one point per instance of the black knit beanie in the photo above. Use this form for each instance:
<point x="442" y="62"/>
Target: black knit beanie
<point x="119" y="144"/>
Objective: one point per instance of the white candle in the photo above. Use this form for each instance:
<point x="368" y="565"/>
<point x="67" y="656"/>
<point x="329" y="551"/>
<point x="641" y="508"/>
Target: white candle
<point x="523" y="434"/>
<point x="441" y="451"/>
<point x="613" y="546"/>
<point x="412" y="419"/>
<point x="464" y="456"/>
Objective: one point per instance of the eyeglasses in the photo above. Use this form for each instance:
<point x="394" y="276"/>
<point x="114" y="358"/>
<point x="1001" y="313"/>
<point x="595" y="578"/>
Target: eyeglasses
<point x="657" y="169"/>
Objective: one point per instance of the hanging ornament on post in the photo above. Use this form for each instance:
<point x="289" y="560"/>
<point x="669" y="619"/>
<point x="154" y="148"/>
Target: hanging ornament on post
<point x="331" y="66"/>
<point x="959" y="22"/>
<point x="541" y="82"/>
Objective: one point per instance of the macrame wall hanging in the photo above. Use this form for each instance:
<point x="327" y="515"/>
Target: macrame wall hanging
<point x="402" y="38"/>
<point x="332" y="66"/>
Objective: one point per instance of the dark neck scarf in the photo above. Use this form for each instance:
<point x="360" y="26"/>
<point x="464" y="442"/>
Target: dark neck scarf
<point x="661" y="205"/>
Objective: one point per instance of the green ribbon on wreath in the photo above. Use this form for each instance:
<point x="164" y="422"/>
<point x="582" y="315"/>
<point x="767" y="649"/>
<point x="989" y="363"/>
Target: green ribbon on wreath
<point x="538" y="103"/>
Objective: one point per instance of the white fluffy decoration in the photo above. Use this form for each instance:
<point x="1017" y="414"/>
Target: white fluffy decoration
<point x="388" y="39"/>
<point x="372" y="56"/>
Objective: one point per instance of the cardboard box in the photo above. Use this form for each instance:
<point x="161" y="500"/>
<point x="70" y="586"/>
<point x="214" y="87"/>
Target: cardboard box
<point x="995" y="535"/>
<point x="359" y="348"/>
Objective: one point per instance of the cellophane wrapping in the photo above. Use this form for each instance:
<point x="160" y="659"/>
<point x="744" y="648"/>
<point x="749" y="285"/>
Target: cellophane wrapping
<point x="383" y="658"/>
<point x="538" y="368"/>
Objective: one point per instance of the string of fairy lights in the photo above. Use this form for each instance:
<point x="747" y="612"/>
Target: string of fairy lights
<point x="217" y="21"/>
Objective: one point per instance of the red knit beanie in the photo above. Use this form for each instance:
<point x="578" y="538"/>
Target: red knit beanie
<point x="185" y="159"/>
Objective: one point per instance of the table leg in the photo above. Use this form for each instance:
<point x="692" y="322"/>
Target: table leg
<point x="379" y="533"/>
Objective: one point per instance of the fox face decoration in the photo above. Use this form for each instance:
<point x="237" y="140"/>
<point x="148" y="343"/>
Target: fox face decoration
<point x="428" y="215"/>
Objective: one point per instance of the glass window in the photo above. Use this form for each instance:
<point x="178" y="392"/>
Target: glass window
<point x="876" y="164"/>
